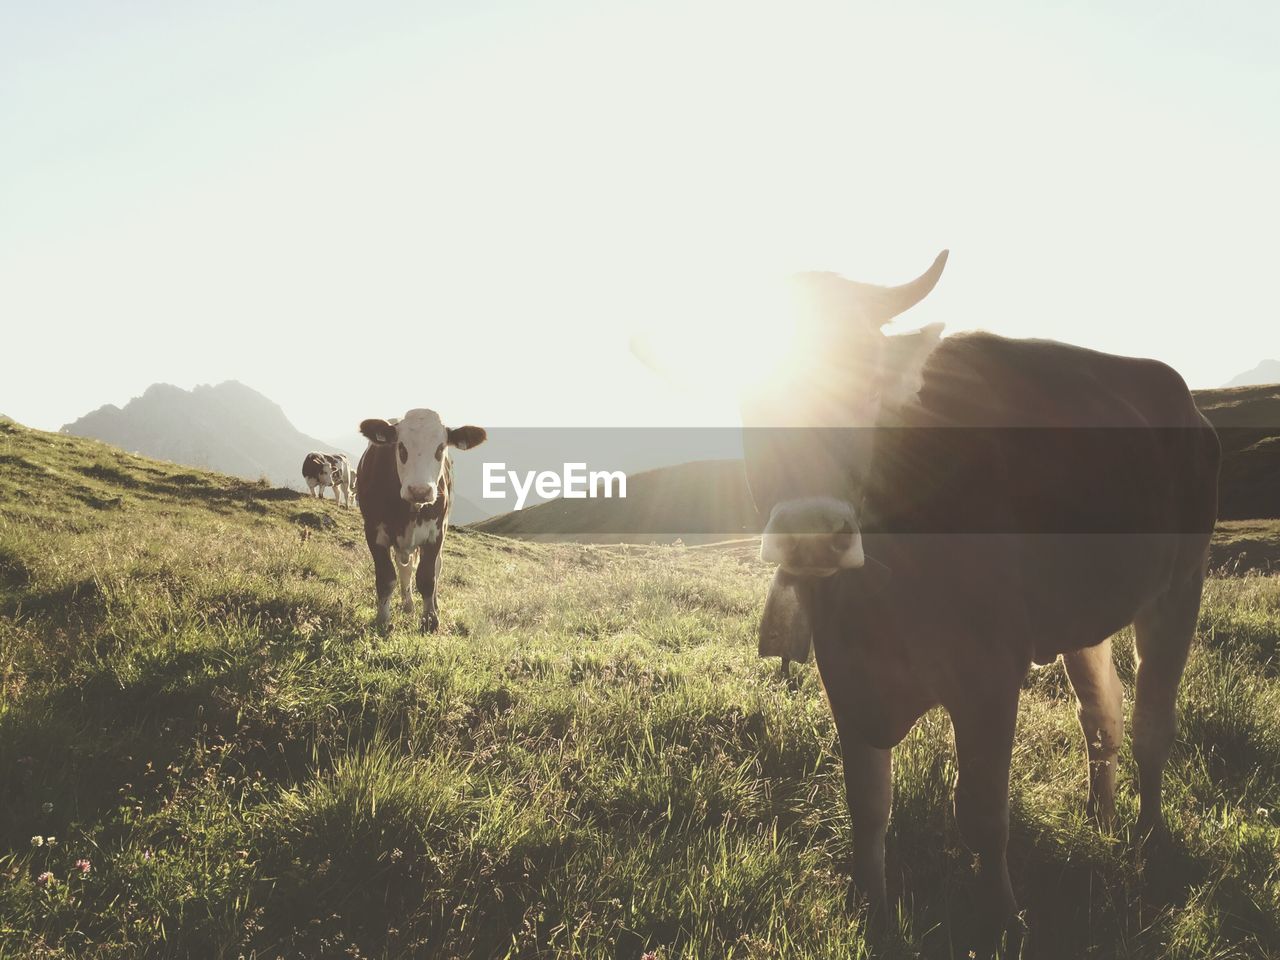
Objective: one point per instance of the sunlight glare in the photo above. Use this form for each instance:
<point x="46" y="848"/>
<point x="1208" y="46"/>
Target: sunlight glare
<point x="719" y="338"/>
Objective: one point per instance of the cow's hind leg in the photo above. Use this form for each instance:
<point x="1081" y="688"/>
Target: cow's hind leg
<point x="1163" y="635"/>
<point x="406" y="560"/>
<point x="1101" y="712"/>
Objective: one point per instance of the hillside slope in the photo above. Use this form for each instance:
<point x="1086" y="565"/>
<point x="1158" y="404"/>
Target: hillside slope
<point x="207" y="752"/>
<point x="702" y="501"/>
<point x="1248" y="422"/>
<point x="229" y="427"/>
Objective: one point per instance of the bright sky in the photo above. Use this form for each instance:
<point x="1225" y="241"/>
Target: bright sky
<point x="360" y="208"/>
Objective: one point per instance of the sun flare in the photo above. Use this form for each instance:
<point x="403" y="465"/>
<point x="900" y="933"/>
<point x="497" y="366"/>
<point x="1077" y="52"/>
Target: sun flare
<point x="720" y="339"/>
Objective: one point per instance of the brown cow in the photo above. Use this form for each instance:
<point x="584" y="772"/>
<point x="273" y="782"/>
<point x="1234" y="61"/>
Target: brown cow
<point x="1015" y="501"/>
<point x="404" y="491"/>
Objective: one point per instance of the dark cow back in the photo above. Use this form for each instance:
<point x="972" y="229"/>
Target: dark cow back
<point x="321" y="465"/>
<point x="316" y="466"/>
<point x="1088" y="482"/>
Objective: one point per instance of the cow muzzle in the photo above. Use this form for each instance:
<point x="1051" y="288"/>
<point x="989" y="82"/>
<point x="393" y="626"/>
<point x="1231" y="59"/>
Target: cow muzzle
<point x="813" y="537"/>
<point x="420" y="496"/>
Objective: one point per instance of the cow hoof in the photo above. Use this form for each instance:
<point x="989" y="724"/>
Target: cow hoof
<point x="407" y="606"/>
<point x="1151" y="826"/>
<point x="430" y="624"/>
<point x="1102" y="818"/>
<point x="877" y="923"/>
<point x="1152" y="838"/>
<point x="1005" y="939"/>
<point x="875" y="904"/>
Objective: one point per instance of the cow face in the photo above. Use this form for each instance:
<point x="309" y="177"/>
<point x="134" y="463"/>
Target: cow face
<point x="808" y="443"/>
<point x="421" y="443"/>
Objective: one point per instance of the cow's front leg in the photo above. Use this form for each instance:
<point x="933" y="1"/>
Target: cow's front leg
<point x="404" y="570"/>
<point x="428" y="573"/>
<point x="984" y="744"/>
<point x="384" y="578"/>
<point x="868" y="787"/>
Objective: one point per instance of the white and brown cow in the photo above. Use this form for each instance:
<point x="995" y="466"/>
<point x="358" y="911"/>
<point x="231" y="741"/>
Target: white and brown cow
<point x="322" y="470"/>
<point x="405" y="480"/>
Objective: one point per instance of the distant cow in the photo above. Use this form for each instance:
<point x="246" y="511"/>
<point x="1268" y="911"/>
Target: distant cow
<point x="322" y="470"/>
<point x="1015" y="501"/>
<point x="405" y="492"/>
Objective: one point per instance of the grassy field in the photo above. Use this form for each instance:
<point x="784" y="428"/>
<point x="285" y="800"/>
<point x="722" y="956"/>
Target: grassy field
<point x="206" y="751"/>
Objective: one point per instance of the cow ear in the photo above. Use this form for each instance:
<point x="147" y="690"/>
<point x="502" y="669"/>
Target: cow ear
<point x="905" y="355"/>
<point x="378" y="431"/>
<point x="464" y="438"/>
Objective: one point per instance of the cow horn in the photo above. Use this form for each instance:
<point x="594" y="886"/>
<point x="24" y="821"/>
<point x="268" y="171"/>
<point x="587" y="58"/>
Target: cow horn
<point x="885" y="303"/>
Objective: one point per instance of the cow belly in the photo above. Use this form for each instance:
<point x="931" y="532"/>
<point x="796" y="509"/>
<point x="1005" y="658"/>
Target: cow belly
<point x="1082" y="589"/>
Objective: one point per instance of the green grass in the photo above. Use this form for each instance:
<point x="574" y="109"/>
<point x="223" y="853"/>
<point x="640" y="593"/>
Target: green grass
<point x="1246" y="546"/>
<point x="588" y="761"/>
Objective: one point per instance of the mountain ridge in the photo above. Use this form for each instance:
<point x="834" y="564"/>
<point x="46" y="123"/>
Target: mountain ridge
<point x="229" y="427"/>
<point x="1266" y="372"/>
